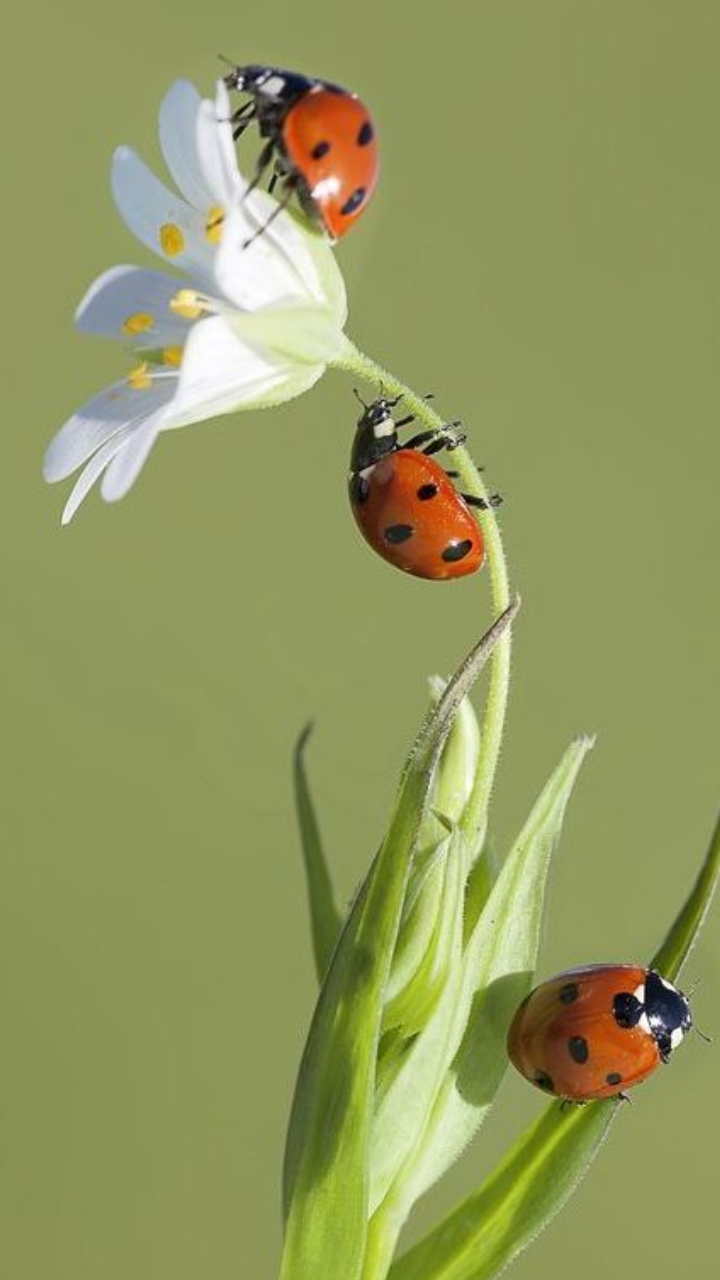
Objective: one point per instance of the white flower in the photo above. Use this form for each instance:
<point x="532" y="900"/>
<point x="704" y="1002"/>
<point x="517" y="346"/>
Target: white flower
<point x="245" y="327"/>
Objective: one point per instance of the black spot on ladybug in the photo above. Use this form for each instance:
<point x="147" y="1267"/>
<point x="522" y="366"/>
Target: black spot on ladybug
<point x="578" y="1049"/>
<point x="457" y="550"/>
<point x="426" y="491"/>
<point x="319" y="150"/>
<point x="359" y="490"/>
<point x="568" y="993"/>
<point x="544" y="1081"/>
<point x="354" y="201"/>
<point x="398" y="533"/>
<point x="613" y="1077"/>
<point x="627" y="1009"/>
<point x="366" y="134"/>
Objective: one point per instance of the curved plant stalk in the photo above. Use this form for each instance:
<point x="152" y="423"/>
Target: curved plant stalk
<point x="475" y="819"/>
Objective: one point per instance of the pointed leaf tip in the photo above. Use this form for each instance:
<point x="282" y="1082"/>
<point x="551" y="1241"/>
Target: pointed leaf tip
<point x="432" y="736"/>
<point x="325" y="918"/>
<point x="683" y="932"/>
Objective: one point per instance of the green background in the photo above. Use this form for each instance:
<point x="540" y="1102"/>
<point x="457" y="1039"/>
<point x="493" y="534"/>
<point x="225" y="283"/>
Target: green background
<point x="543" y="255"/>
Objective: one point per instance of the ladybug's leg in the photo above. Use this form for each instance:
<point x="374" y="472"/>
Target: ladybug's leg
<point x="436" y="445"/>
<point x="241" y="118"/>
<point x="441" y="438"/>
<point x="263" y="160"/>
<point x="289" y="193"/>
<point x="482" y="504"/>
<point x="420" y="439"/>
<point x="452" y="436"/>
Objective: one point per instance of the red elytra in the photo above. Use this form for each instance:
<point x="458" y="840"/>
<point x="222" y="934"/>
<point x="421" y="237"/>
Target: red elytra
<point x="321" y="140"/>
<point x="406" y="505"/>
<point x="329" y="140"/>
<point x="435" y="536"/>
<point x="596" y="1031"/>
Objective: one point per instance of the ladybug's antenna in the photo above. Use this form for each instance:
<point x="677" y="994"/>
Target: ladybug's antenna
<point x="357" y="395"/>
<point x="701" y="1034"/>
<point x="228" y="61"/>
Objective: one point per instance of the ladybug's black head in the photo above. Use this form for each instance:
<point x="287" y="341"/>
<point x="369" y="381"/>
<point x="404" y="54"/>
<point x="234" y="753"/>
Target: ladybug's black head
<point x="667" y="1011"/>
<point x="375" y="434"/>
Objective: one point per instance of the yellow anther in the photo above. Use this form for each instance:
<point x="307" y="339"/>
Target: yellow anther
<point x="139" y="378"/>
<point x="214" y="224"/>
<point x="172" y="355"/>
<point x="186" y="303"/>
<point x="138" y="323"/>
<point x="172" y="240"/>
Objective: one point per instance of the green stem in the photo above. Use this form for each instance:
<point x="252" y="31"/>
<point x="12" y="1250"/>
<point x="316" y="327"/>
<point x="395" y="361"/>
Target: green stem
<point x="475" y="817"/>
<point x="382" y="1238"/>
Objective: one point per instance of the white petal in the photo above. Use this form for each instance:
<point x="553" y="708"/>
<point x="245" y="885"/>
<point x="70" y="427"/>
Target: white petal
<point x="260" y="274"/>
<point x="92" y="471"/>
<point x="117" y="407"/>
<point x="219" y="373"/>
<point x="125" y="468"/>
<point x="217" y="115"/>
<point x="194" y="148"/>
<point x="330" y="276"/>
<point x="148" y="207"/>
<point x="124" y="293"/>
<point x="179" y="111"/>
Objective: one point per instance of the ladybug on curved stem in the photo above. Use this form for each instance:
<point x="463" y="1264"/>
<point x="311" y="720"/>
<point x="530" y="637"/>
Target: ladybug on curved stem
<point x="405" y="504"/>
<point x="320" y="140"/>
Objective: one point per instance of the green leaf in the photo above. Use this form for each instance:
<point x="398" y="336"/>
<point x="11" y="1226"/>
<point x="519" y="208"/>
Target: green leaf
<point x="687" y="924"/>
<point x="328" y="1140"/>
<point x="533" y="1182"/>
<point x="447" y="1083"/>
<point x="412" y="1009"/>
<point x="520" y="1197"/>
<point x="325" y="919"/>
<point x="432" y="955"/>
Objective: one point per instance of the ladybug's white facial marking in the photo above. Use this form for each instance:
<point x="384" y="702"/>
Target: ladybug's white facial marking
<point x="677" y="1035"/>
<point x="385" y="427"/>
<point x="639" y="993"/>
<point x="273" y="86"/>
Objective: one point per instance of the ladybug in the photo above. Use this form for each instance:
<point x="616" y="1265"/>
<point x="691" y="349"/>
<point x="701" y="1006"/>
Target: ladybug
<point x="405" y="504"/>
<point x="596" y="1031"/>
<point x="320" y="137"/>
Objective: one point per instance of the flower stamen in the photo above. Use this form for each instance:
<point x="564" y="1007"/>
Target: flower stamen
<point x="140" y="322"/>
<point x="172" y="240"/>
<point x="214" y="224"/>
<point x="139" y="378"/>
<point x="189" y="304"/>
